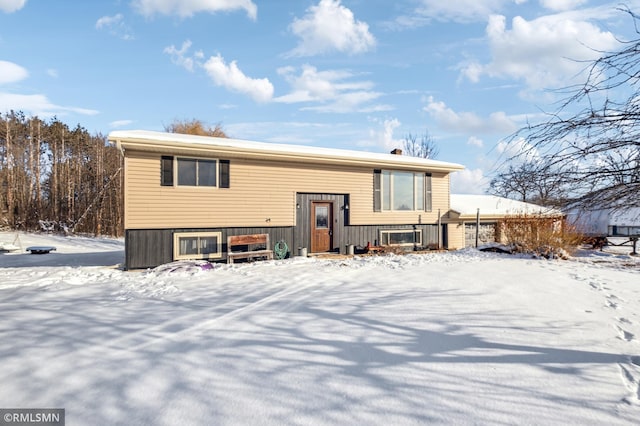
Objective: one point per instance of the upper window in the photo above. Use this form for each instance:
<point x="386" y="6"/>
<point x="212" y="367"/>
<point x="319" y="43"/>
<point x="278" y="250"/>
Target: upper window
<point x="404" y="191"/>
<point x="194" y="172"/>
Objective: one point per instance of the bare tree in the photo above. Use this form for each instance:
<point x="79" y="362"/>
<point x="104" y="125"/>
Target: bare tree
<point x="195" y="127"/>
<point x="593" y="139"/>
<point x="425" y="147"/>
<point x="530" y="182"/>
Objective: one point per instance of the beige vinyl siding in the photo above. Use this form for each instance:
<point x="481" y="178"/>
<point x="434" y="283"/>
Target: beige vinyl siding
<point x="262" y="193"/>
<point x="455" y="239"/>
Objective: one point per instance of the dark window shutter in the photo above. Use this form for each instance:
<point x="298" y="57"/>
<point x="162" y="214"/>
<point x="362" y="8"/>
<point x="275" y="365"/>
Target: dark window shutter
<point x="166" y="170"/>
<point x="225" y="179"/>
<point x="428" y="203"/>
<point x="377" y="193"/>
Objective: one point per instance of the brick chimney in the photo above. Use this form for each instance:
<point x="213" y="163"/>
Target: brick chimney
<point x="397" y="151"/>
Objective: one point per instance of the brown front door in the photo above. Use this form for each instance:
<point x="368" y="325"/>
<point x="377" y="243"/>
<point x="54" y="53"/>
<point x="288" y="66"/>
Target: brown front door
<point x="321" y="226"/>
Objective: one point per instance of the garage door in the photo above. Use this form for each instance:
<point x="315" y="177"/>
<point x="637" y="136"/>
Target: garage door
<point x="487" y="234"/>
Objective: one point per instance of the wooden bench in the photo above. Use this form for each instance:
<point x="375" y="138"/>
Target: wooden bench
<point x="248" y="246"/>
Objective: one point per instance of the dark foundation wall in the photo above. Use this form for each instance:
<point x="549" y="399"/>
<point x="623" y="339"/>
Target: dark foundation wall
<point x="148" y="248"/>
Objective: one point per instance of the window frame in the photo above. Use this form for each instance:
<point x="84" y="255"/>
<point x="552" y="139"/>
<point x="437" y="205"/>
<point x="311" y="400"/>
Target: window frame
<point x="417" y="242"/>
<point x="169" y="171"/>
<point x="421" y="202"/>
<point x="191" y="234"/>
<point x="197" y="160"/>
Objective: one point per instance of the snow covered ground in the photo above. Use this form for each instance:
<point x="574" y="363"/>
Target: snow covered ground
<point x="456" y="338"/>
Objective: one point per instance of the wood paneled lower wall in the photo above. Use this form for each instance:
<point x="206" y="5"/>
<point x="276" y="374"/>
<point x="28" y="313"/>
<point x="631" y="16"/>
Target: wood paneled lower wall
<point x="148" y="248"/>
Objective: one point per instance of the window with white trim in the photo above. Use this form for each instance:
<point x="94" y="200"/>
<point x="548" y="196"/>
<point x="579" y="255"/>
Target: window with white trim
<point x="401" y="237"/>
<point x="405" y="191"/>
<point x="197" y="245"/>
<point x="197" y="172"/>
<point x="204" y="172"/>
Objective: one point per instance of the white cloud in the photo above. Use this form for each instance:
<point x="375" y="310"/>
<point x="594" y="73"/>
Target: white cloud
<point x="9" y="6"/>
<point x="468" y="122"/>
<point x="11" y="73"/>
<point x="518" y="150"/>
<point x="473" y="71"/>
<point x="382" y="136"/>
<point x="187" y="8"/>
<point x="108" y="21"/>
<point x="386" y="139"/>
<point x="461" y="11"/>
<point x="178" y="56"/>
<point x="116" y="26"/>
<point x="474" y="141"/>
<point x="120" y="123"/>
<point x="328" y="27"/>
<point x="560" y="5"/>
<point x="546" y="52"/>
<point x="38" y="105"/>
<point x="52" y="72"/>
<point x="335" y="90"/>
<point x="232" y="78"/>
<point x="228" y="76"/>
<point x="227" y="106"/>
<point x="31" y="104"/>
<point x="469" y="182"/>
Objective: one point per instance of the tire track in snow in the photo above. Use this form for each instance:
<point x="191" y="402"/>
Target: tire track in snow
<point x="172" y="330"/>
<point x="193" y="320"/>
<point x="167" y="334"/>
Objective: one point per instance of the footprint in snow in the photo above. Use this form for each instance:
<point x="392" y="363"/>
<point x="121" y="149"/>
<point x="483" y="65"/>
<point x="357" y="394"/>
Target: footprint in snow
<point x="624" y="334"/>
<point x="596" y="286"/>
<point x="624" y="321"/>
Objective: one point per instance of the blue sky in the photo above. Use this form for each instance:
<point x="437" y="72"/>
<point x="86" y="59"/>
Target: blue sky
<point x="353" y="74"/>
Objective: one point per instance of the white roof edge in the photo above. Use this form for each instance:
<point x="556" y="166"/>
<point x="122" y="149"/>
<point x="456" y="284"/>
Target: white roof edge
<point x="275" y="148"/>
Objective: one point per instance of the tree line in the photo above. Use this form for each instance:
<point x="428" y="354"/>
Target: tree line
<point x="57" y="178"/>
<point x="61" y="179"/>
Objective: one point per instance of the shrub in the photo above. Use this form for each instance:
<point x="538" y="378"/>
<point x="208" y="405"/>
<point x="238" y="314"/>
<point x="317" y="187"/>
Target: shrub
<point x="541" y="236"/>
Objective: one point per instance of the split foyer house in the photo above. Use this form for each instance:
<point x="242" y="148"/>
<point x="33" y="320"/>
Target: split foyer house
<point x="184" y="195"/>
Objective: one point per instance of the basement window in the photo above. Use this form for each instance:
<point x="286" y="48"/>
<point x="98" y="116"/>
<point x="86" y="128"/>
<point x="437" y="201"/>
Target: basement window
<point x="197" y="245"/>
<point x="401" y="237"/>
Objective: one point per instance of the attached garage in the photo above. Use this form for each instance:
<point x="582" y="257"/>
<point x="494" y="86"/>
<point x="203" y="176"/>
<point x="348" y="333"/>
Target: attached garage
<point x="486" y="233"/>
<point x="485" y="212"/>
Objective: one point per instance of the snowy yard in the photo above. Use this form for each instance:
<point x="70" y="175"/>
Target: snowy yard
<point x="456" y="338"/>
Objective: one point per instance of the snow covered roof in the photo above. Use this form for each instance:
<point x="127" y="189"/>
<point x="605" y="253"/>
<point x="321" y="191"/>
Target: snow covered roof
<point x="492" y="205"/>
<point x="160" y="140"/>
